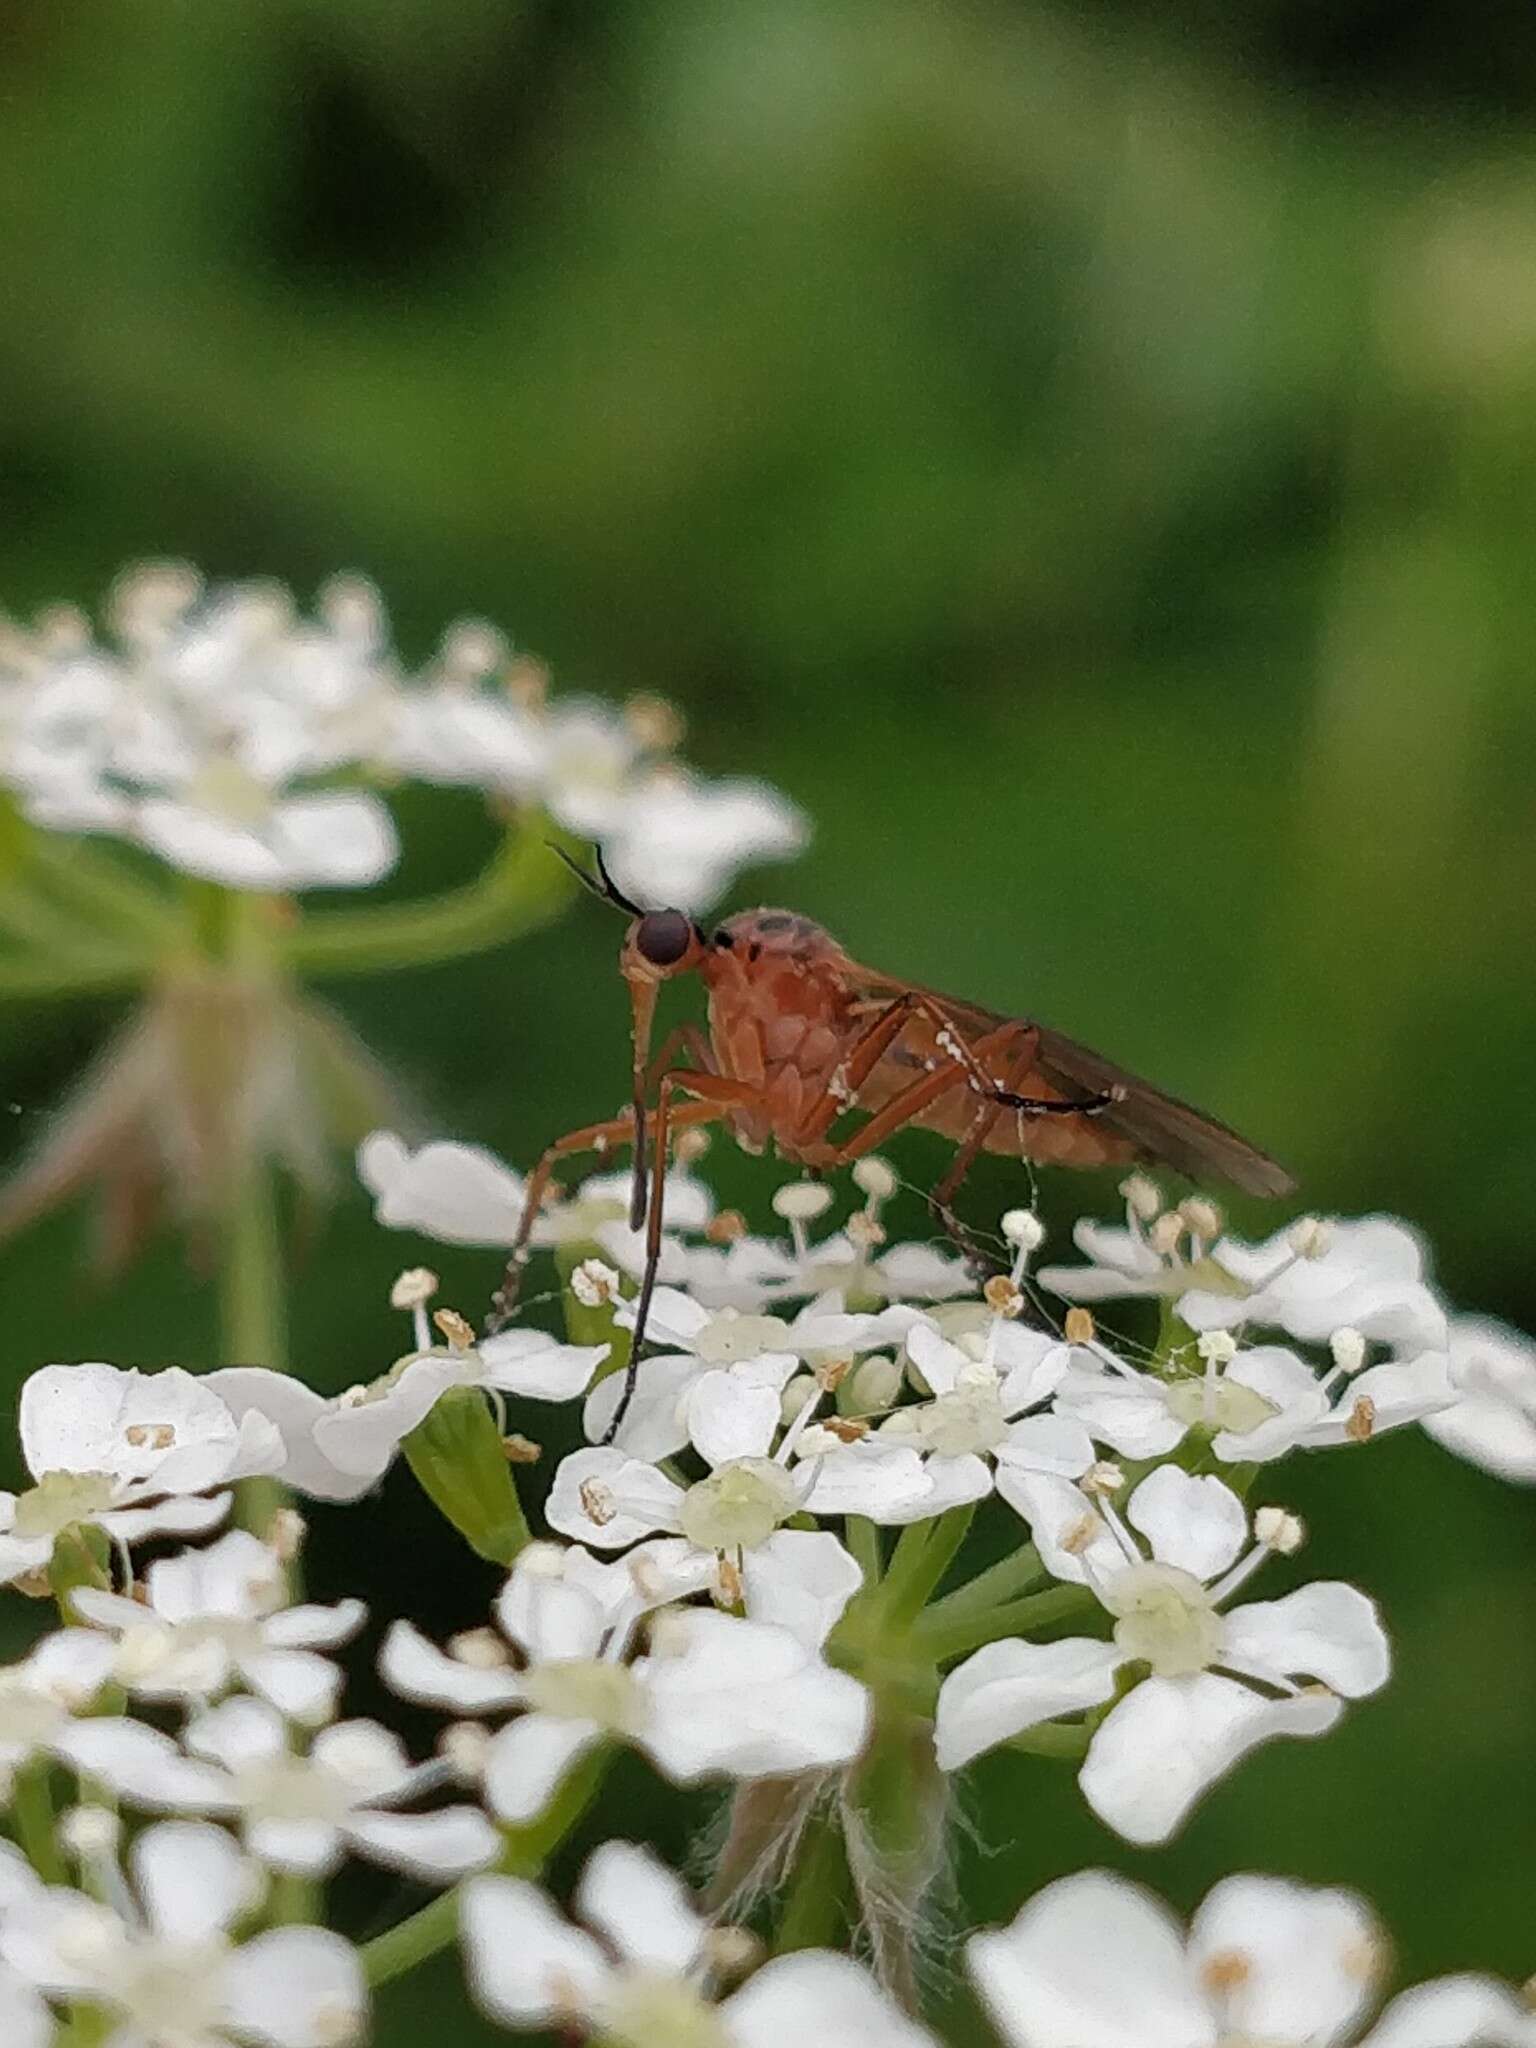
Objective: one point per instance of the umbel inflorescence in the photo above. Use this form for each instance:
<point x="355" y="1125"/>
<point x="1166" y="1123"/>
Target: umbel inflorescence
<point x="863" y="1521"/>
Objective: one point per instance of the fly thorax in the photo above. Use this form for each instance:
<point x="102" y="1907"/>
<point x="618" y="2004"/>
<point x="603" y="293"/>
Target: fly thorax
<point x="1164" y="1618"/>
<point x="59" y="1499"/>
<point x="639" y="2008"/>
<point x="587" y="1689"/>
<point x="1218" y="1403"/>
<point x="739" y="1505"/>
<point x="730" y="1337"/>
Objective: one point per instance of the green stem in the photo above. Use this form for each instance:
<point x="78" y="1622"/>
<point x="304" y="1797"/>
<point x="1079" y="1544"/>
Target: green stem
<point x="816" y="1908"/>
<point x="32" y="1812"/>
<point x="940" y="1637"/>
<point x="106" y="972"/>
<point x="527" y="1850"/>
<point x="522" y="886"/>
<point x="1011" y="1575"/>
<point x="921" y="1558"/>
<point x="863" y="1540"/>
<point x="295" y="1901"/>
<point x="99" y="886"/>
<point x="1053" y="1738"/>
<point x="254" y="1318"/>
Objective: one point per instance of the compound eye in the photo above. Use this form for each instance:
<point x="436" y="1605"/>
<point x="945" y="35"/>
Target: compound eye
<point x="663" y="937"/>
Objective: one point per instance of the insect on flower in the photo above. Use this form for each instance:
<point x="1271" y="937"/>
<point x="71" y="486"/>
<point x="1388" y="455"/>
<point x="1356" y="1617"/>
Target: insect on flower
<point x="799" y="1033"/>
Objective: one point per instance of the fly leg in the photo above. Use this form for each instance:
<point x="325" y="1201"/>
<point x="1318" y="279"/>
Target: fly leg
<point x="941" y="1199"/>
<point x="716" y="1095"/>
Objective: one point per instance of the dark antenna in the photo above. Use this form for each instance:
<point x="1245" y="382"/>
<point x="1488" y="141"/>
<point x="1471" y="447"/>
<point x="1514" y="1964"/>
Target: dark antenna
<point x="602" y="885"/>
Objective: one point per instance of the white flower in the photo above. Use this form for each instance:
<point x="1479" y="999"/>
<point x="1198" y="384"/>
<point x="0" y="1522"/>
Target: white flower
<point x="1255" y="1406"/>
<point x="128" y="1451"/>
<point x="1367" y="1274"/>
<point x="1218" y="1683"/>
<point x="216" y="1617"/>
<point x="644" y="1975"/>
<point x="1096" y="1962"/>
<point x="715" y="1696"/>
<point x="731" y="1523"/>
<point x="678" y="841"/>
<point x="166" y="1968"/>
<point x="982" y="1382"/>
<point x="1493" y="1423"/>
<point x="41" y="1694"/>
<point x="300" y="1813"/>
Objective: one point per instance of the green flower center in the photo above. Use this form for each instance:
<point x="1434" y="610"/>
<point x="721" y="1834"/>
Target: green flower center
<point x="739" y="1506"/>
<point x="728" y="1338"/>
<point x="643" y="2008"/>
<point x="1218" y="1404"/>
<point x="60" y="1498"/>
<point x="1165" y="1619"/>
<point x="970" y="1419"/>
<point x="587" y="1689"/>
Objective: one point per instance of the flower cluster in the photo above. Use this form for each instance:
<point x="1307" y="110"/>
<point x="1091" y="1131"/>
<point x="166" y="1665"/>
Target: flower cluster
<point x="751" y="1564"/>
<point x="240" y="741"/>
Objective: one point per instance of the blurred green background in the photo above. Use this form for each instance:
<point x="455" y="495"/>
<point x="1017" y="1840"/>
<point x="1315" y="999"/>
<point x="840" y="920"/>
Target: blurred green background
<point x="1087" y="457"/>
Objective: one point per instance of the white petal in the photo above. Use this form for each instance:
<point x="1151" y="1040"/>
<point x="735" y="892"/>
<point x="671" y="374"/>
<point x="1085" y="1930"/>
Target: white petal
<point x="239" y="1576"/>
<point x="192" y="1879"/>
<point x="935" y="1357"/>
<point x="644" y="1910"/>
<point x="301" y="1684"/>
<point x="1048" y="1443"/>
<point x="1009" y="1686"/>
<point x="308" y="1848"/>
<point x="364" y="1437"/>
<point x="530" y="1363"/>
<point x="458" y="1194"/>
<point x="800" y="1580"/>
<point x="1126" y="1411"/>
<point x="418" y="1670"/>
<point x="296" y="1987"/>
<point x="1306" y="1958"/>
<point x="730" y="1418"/>
<point x="436" y="1847"/>
<point x="951" y="1483"/>
<point x="1032" y="1363"/>
<point x="73" y="1664"/>
<point x="1197" y="1524"/>
<point x="311" y="1627"/>
<point x="141" y="1765"/>
<point x="550" y="1617"/>
<point x="1169" y="1738"/>
<point x="654" y="1426"/>
<point x="749" y="1701"/>
<point x="370" y="1761"/>
<point x="675" y="1318"/>
<point x="868" y="1479"/>
<point x="1292" y="1387"/>
<point x="334" y="840"/>
<point x="1327" y="1631"/>
<point x="238" y="1734"/>
<point x="294" y="1409"/>
<point x="25" y="2022"/>
<point x="1091" y="1962"/>
<point x="601" y="1496"/>
<point x="188" y="1516"/>
<point x="1455" y="2012"/>
<point x="1062" y="1520"/>
<point x="526" y="1964"/>
<point x="527" y="1761"/>
<point x="1488" y="1432"/>
<point x="814" y="1997"/>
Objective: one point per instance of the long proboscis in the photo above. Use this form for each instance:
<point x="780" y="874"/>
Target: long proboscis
<point x="642" y="1006"/>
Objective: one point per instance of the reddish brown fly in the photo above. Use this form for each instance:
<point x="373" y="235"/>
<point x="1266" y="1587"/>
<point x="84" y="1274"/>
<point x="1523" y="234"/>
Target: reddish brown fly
<point x="799" y="1034"/>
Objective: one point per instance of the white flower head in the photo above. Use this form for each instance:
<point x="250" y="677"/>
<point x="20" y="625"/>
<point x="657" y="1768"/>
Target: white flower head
<point x="1094" y="1961"/>
<point x="1492" y="1420"/>
<point x="715" y="1696"/>
<point x="1218" y="1680"/>
<point x="637" y="1969"/>
<point x="132" y="1453"/>
<point x="163" y="1963"/>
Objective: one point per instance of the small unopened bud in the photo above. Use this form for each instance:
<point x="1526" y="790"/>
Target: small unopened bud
<point x="729" y="1952"/>
<point x="1104" y="1477"/>
<point x="1310" y="1237"/>
<point x="726" y="1228"/>
<point x="1279" y="1530"/>
<point x="543" y="1560"/>
<point x="655" y="721"/>
<point x="690" y="1146"/>
<point x="1203" y="1217"/>
<point x="865" y="1230"/>
<point x="413" y="1288"/>
<point x="1078" y="1326"/>
<point x="802" y="1201"/>
<point x="594" y="1284"/>
<point x="89" y="1833"/>
<point x="286" y="1531"/>
<point x="465" y="1745"/>
<point x="875" y="1385"/>
<point x="800" y="1389"/>
<point x="1022" y="1227"/>
<point x="1361" y="1426"/>
<point x="518" y="1449"/>
<point x="875" y="1176"/>
<point x="1143" y="1197"/>
<point x="480" y="1648"/>
<point x="1165" y="1234"/>
<point x="1348" y="1348"/>
<point x="1216" y="1347"/>
<point x="457" y="1333"/>
<point x="1003" y="1296"/>
<point x="471" y="650"/>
